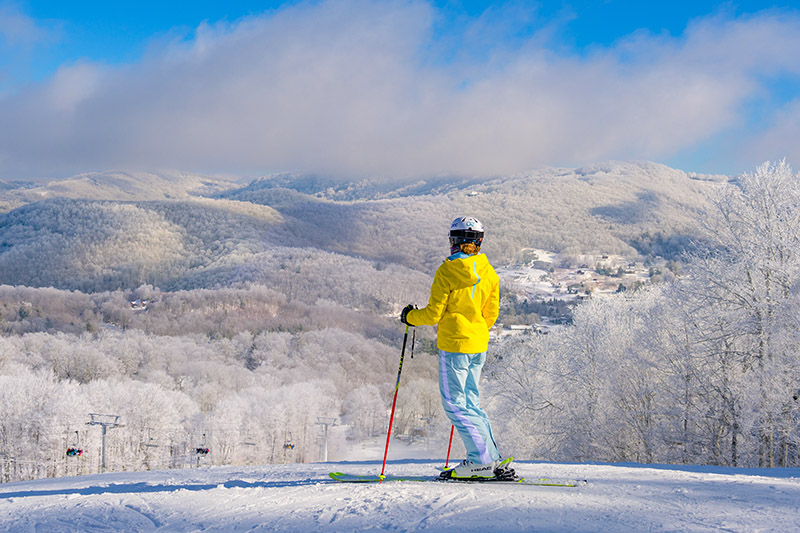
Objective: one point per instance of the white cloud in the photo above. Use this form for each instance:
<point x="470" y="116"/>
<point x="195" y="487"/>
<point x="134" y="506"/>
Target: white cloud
<point x="18" y="29"/>
<point x="780" y="140"/>
<point x="345" y="88"/>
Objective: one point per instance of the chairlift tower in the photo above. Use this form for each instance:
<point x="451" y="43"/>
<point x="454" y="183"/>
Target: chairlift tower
<point x="201" y="451"/>
<point x="106" y="422"/>
<point x="8" y="462"/>
<point x="428" y="426"/>
<point x="325" y="422"/>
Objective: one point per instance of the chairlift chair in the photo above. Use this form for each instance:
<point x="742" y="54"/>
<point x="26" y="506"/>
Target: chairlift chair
<point x="151" y="442"/>
<point x="202" y="449"/>
<point x="75" y="450"/>
<point x="248" y="440"/>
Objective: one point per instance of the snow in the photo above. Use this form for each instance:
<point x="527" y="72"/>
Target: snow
<point x="301" y="497"/>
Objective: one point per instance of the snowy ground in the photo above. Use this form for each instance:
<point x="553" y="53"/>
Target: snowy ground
<point x="303" y="498"/>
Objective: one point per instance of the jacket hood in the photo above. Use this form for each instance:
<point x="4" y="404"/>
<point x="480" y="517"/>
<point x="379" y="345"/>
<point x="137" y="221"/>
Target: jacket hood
<point x="466" y="271"/>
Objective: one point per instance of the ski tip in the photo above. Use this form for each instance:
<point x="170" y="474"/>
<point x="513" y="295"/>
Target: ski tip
<point x="547" y="482"/>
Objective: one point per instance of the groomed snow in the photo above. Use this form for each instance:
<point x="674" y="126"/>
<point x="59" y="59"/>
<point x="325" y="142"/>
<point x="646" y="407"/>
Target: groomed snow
<point x="301" y="497"/>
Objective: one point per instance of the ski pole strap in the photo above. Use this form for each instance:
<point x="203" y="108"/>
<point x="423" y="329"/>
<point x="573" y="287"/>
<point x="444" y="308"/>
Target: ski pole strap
<point x="413" y="340"/>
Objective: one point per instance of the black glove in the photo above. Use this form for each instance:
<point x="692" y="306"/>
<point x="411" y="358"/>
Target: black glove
<point x="404" y="314"/>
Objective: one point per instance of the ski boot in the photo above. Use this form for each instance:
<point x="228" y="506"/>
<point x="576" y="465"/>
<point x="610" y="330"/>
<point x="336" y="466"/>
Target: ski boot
<point x="504" y="472"/>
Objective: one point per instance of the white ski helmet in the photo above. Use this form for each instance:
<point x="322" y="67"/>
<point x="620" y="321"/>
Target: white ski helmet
<point x="464" y="230"/>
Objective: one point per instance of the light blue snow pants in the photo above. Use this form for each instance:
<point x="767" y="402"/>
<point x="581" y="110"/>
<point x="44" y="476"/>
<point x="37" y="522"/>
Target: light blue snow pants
<point x="459" y="374"/>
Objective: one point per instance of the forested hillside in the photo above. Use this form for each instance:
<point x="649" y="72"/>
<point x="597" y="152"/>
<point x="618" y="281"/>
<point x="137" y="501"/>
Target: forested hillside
<point x="231" y="316"/>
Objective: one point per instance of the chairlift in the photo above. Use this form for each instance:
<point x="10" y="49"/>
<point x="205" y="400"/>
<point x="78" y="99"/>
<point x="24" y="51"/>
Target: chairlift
<point x="75" y="450"/>
<point x="287" y="443"/>
<point x="151" y="442"/>
<point x="202" y="449"/>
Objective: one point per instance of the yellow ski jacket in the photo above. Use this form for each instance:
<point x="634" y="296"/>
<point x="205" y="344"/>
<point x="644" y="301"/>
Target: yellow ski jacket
<point x="464" y="302"/>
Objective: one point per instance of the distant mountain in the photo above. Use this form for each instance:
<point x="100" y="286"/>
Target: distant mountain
<point x="338" y="190"/>
<point x="173" y="230"/>
<point x="623" y="208"/>
<point x="92" y="245"/>
<point x="10" y="185"/>
<point x="116" y="186"/>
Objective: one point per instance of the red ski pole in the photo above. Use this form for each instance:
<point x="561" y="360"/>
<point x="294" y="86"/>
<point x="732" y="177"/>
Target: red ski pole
<point x="394" y="402"/>
<point x="447" y="461"/>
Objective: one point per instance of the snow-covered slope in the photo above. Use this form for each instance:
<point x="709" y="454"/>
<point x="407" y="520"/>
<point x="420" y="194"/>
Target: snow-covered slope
<point x="303" y="498"/>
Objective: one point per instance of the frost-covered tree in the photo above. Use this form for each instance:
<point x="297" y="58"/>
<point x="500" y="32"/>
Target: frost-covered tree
<point x="704" y="369"/>
<point x="248" y="398"/>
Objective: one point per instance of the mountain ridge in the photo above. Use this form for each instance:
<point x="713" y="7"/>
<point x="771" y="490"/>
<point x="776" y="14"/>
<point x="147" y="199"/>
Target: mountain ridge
<point x="91" y="235"/>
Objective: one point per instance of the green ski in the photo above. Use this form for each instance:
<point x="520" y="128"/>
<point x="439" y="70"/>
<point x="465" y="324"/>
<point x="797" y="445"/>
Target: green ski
<point x="376" y="478"/>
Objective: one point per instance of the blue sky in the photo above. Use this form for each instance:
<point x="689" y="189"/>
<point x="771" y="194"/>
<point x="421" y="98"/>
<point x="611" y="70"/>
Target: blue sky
<point x="119" y="32"/>
<point x="401" y="89"/>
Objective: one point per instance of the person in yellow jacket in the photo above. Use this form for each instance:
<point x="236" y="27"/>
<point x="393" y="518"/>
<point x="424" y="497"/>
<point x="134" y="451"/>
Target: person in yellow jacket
<point x="464" y="303"/>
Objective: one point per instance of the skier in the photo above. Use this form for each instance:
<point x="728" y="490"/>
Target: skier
<point x="464" y="302"/>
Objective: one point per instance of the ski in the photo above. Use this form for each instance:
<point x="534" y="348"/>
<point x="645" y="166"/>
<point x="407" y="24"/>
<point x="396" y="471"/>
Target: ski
<point x="375" y="478"/>
<point x="546" y="482"/>
<point x="541" y="482"/>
